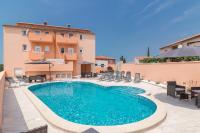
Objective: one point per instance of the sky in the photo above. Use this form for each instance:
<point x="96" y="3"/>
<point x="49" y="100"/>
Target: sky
<point x="122" y="27"/>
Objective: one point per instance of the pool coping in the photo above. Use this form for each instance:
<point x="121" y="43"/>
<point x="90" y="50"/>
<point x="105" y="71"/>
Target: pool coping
<point x="156" y="118"/>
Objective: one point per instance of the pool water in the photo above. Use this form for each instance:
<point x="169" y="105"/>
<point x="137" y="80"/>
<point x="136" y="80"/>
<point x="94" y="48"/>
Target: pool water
<point x="92" y="104"/>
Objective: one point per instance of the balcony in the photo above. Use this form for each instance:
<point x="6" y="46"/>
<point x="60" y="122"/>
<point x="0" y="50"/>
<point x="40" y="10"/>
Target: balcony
<point x="71" y="57"/>
<point x="45" y="38"/>
<point x="45" y="67"/>
<point x="36" y="56"/>
<point x="66" y="40"/>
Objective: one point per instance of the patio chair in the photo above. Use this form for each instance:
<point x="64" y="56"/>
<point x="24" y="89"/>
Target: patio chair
<point x="12" y="82"/>
<point x="137" y="78"/>
<point x="128" y="77"/>
<point x="173" y="89"/>
<point x="41" y="129"/>
<point x="192" y="93"/>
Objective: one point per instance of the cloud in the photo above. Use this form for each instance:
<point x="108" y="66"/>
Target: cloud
<point x="148" y="6"/>
<point x="187" y="13"/>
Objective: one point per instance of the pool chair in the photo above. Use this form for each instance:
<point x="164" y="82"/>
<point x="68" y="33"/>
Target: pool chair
<point x="102" y="77"/>
<point x="123" y="74"/>
<point x="23" y="80"/>
<point x="12" y="82"/>
<point x="118" y="76"/>
<point x="137" y="78"/>
<point x="41" y="129"/>
<point x="128" y="77"/>
<point x="111" y="76"/>
<point x="173" y="89"/>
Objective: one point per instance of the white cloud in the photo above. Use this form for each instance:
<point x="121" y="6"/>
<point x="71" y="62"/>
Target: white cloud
<point x="148" y="6"/>
<point x="187" y="13"/>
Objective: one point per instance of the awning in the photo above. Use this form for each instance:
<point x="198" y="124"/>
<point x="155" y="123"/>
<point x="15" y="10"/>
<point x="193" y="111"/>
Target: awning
<point x="182" y="52"/>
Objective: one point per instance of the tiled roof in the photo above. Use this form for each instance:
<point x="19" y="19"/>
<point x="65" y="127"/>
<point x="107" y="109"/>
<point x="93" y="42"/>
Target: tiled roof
<point x="179" y="41"/>
<point x="104" y="58"/>
<point x="50" y="27"/>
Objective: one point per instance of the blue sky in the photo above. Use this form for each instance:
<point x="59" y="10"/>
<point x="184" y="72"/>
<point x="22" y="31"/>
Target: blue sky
<point x="122" y="27"/>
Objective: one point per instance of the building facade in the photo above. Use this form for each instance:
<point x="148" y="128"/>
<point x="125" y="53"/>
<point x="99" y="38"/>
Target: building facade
<point x="104" y="63"/>
<point x="190" y="41"/>
<point x="65" y="47"/>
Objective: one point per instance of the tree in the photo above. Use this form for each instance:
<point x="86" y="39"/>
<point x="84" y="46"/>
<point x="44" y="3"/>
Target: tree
<point x="148" y="52"/>
<point x="122" y="59"/>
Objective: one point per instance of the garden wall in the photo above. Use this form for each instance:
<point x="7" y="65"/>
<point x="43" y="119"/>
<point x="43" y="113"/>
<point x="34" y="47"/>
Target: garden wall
<point x="188" y="72"/>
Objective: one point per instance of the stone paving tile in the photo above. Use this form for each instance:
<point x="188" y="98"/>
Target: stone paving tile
<point x="20" y="114"/>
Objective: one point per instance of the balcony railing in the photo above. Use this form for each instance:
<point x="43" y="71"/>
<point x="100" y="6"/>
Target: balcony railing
<point x="45" y="67"/>
<point x="71" y="56"/>
<point x="36" y="56"/>
<point x="47" y="38"/>
<point x="66" y="40"/>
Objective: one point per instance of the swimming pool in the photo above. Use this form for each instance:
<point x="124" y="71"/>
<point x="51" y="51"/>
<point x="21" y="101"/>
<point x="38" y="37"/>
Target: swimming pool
<point x="91" y="104"/>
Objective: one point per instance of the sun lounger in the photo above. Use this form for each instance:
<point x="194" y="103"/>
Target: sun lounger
<point x="128" y="77"/>
<point x="111" y="76"/>
<point x="12" y="82"/>
<point x="137" y="78"/>
<point x="118" y="76"/>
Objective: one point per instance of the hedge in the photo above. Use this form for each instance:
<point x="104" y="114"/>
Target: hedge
<point x="170" y="59"/>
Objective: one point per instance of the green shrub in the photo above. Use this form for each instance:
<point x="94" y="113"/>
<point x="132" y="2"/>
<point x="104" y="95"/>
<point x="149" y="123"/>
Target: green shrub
<point x="170" y="59"/>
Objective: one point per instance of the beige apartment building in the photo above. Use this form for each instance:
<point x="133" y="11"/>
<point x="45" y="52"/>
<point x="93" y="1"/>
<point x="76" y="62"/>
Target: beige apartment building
<point x="26" y="46"/>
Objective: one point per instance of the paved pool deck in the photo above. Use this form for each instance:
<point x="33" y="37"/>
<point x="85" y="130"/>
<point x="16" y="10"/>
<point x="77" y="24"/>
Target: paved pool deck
<point x="20" y="114"/>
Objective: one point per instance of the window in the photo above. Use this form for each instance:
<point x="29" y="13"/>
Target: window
<point x="46" y="33"/>
<point x="23" y="33"/>
<point x="62" y="50"/>
<point x="71" y="35"/>
<point x="37" y="49"/>
<point x="102" y="65"/>
<point x="81" y="50"/>
<point x="62" y="34"/>
<point x="46" y="49"/>
<point x="37" y="32"/>
<point x="24" y="47"/>
<point x="81" y="37"/>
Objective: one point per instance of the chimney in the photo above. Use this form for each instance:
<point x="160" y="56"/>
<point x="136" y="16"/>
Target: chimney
<point x="45" y="23"/>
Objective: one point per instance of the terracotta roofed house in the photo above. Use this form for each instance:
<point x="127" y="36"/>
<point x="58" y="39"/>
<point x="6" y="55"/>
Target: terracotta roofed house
<point x="104" y="63"/>
<point x="189" y="41"/>
<point x="65" y="47"/>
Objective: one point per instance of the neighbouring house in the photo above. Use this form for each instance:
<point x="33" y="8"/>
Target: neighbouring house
<point x="189" y="41"/>
<point x="104" y="63"/>
<point x="69" y="50"/>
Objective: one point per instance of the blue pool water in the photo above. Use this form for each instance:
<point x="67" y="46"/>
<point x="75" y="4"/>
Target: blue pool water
<point x="92" y="104"/>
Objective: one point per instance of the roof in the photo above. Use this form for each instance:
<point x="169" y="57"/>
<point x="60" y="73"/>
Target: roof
<point x="49" y="27"/>
<point x="182" y="52"/>
<point x="182" y="40"/>
<point x="104" y="58"/>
